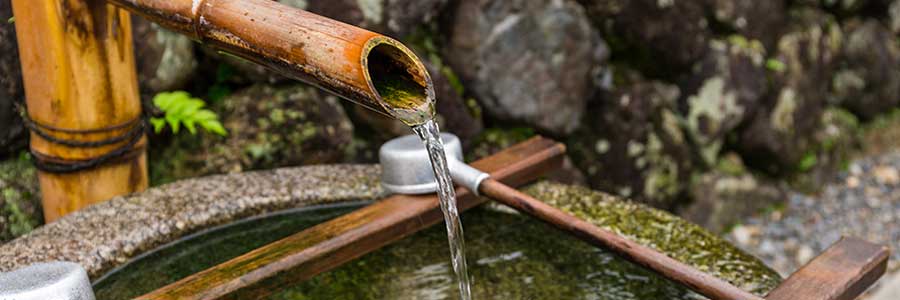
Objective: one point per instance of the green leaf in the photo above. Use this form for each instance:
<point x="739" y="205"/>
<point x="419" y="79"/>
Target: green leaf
<point x="214" y="126"/>
<point x="158" y="124"/>
<point x="187" y="108"/>
<point x="809" y="160"/>
<point x="11" y="20"/>
<point x="775" y="65"/>
<point x="205" y="114"/>
<point x="173" y="122"/>
<point x="189" y="124"/>
<point x="183" y="110"/>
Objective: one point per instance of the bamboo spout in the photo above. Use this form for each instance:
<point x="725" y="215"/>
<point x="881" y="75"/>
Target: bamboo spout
<point x="362" y="66"/>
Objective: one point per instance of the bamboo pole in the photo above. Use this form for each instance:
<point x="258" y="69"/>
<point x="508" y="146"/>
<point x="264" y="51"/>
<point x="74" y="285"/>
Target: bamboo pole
<point x="81" y="87"/>
<point x="370" y="69"/>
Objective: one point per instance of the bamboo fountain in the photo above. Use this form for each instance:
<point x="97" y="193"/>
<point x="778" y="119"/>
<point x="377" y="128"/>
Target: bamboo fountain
<point x="85" y="122"/>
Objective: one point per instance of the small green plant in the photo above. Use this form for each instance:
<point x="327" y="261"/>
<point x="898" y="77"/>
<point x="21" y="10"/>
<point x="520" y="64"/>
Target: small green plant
<point x="182" y="109"/>
<point x="11" y="20"/>
<point x="775" y="65"/>
<point x="807" y="162"/>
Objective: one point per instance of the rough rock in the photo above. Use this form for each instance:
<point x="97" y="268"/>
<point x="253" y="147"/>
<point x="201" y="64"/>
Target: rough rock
<point x="761" y="20"/>
<point x="834" y="142"/>
<point x="657" y="36"/>
<point x="724" y="89"/>
<point x="526" y="61"/>
<point x="894" y="16"/>
<point x="850" y="8"/>
<point x="633" y="144"/>
<point x="12" y="132"/>
<point x="393" y="17"/>
<point x="493" y="140"/>
<point x="267" y="127"/>
<point x="778" y="134"/>
<point x="20" y="198"/>
<point x="720" y="199"/>
<point x="165" y="60"/>
<point x="868" y="79"/>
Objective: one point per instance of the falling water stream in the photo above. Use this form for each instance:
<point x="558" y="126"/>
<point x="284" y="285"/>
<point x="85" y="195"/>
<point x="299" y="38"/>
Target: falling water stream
<point x="430" y="135"/>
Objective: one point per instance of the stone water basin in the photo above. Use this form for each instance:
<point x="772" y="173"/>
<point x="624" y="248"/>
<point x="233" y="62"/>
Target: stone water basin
<point x="511" y="256"/>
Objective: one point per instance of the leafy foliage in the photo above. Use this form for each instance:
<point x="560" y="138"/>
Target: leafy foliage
<point x="775" y="65"/>
<point x="182" y="109"/>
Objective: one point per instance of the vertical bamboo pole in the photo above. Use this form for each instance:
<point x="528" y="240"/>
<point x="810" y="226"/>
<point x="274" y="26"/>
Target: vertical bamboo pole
<point x="80" y="85"/>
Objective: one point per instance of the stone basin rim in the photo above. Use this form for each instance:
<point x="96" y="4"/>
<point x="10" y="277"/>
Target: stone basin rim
<point x="107" y="235"/>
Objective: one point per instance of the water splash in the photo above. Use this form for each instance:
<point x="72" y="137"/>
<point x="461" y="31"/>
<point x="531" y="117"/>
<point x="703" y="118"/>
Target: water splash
<point x="430" y="135"/>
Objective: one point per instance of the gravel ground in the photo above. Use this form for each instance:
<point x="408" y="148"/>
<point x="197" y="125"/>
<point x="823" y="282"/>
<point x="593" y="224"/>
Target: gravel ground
<point x="863" y="201"/>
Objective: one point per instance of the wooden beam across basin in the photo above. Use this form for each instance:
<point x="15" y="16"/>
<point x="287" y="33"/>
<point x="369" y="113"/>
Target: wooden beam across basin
<point x="333" y="243"/>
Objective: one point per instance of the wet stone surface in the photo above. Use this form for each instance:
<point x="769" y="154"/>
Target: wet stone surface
<point x="106" y="235"/>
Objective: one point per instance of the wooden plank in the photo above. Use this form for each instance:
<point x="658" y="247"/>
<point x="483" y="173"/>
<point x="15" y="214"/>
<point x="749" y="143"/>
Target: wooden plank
<point x="328" y="245"/>
<point x="705" y="284"/>
<point x="844" y="271"/>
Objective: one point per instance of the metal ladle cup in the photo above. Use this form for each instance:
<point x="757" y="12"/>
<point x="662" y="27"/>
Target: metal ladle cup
<point x="406" y="168"/>
<point x="47" y="281"/>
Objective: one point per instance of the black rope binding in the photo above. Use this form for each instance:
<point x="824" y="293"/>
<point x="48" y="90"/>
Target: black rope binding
<point x="133" y="136"/>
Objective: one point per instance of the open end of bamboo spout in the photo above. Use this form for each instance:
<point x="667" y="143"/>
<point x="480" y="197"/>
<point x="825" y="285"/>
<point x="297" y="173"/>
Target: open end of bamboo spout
<point x="400" y="81"/>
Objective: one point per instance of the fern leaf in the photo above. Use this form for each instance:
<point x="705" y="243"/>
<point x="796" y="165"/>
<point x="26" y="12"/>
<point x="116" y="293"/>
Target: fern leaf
<point x="158" y="124"/>
<point x="174" y="122"/>
<point x="214" y="126"/>
<point x="189" y="124"/>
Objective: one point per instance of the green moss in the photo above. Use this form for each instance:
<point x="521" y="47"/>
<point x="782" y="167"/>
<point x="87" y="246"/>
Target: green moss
<point x="399" y="91"/>
<point x="20" y="207"/>
<point x="669" y="234"/>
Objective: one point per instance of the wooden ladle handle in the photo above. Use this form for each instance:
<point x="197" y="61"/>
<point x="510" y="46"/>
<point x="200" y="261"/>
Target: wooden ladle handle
<point x="700" y="282"/>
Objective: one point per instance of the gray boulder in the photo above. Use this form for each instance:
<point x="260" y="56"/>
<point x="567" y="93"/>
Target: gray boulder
<point x="725" y="87"/>
<point x="12" y="133"/>
<point x="392" y="17"/>
<point x="634" y="146"/>
<point x="721" y="199"/>
<point x="526" y="61"/>
<point x="657" y="36"/>
<point x="778" y="134"/>
<point x="868" y="79"/>
<point x="761" y="20"/>
<point x="165" y="60"/>
<point x="894" y="15"/>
